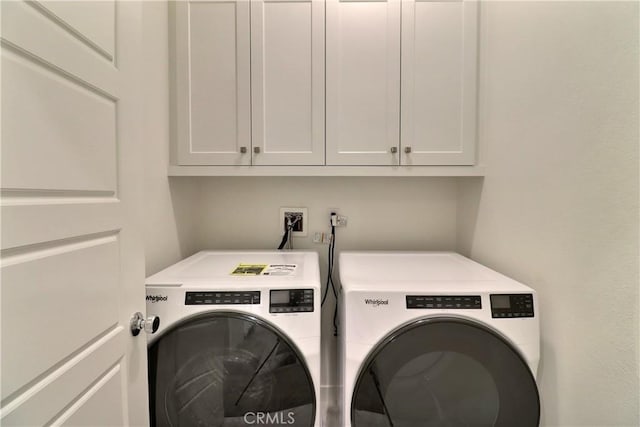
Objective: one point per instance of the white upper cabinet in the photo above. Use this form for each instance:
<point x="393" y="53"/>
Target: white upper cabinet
<point x="287" y="82"/>
<point x="439" y="61"/>
<point x="398" y="78"/>
<point x="363" y="82"/>
<point x="250" y="82"/>
<point x="213" y="113"/>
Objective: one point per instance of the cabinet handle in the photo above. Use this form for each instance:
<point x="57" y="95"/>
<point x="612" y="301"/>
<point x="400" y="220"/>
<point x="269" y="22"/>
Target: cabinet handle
<point x="243" y="150"/>
<point x="256" y="150"/>
<point x="394" y="150"/>
<point x="407" y="150"/>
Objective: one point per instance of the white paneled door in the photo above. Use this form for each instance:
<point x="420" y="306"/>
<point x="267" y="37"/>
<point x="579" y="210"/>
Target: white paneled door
<point x="72" y="264"/>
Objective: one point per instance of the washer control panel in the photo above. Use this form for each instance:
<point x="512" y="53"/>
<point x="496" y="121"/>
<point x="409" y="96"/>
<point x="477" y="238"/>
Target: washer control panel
<point x="511" y="305"/>
<point x="290" y="300"/>
<point x="464" y="302"/>
<point x="222" y="298"/>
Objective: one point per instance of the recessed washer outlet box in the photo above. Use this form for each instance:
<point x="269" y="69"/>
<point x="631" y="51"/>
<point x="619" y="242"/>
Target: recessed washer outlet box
<point x="300" y="226"/>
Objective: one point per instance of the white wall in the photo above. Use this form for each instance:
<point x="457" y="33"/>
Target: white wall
<point x="383" y="213"/>
<point x="169" y="229"/>
<point x="558" y="208"/>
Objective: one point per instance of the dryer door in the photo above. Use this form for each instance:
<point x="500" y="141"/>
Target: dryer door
<point x="228" y="369"/>
<point x="445" y="372"/>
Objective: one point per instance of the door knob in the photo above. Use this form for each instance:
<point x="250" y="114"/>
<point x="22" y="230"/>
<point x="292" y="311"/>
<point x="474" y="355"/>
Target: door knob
<point x="256" y="150"/>
<point x="394" y="150"/>
<point x="407" y="150"/>
<point x="243" y="150"/>
<point x="138" y="323"/>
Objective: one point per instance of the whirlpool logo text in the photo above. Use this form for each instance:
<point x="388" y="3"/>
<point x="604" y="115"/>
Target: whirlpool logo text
<point x="267" y="418"/>
<point x="376" y="302"/>
<point x="157" y="298"/>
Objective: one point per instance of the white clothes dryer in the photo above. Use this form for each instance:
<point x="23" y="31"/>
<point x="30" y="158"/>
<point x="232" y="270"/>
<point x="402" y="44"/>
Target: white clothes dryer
<point x="238" y="342"/>
<point x="436" y="339"/>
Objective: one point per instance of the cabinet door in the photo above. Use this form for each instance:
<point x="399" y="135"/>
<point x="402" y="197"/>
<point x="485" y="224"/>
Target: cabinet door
<point x="363" y="82"/>
<point x="213" y="87"/>
<point x="287" y="76"/>
<point x="439" y="57"/>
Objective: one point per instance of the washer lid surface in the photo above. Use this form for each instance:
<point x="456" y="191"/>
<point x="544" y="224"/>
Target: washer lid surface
<point x="227" y="369"/>
<point x="444" y="372"/>
<point x="420" y="272"/>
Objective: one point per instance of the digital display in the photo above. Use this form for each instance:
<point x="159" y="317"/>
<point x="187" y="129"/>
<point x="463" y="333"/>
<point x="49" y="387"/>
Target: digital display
<point x="500" y="301"/>
<point x="291" y="301"/>
<point x="512" y="306"/>
<point x="280" y="297"/>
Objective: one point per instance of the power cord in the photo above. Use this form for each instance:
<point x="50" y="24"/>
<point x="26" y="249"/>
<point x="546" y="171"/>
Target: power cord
<point x="287" y="240"/>
<point x="331" y="262"/>
<point x="287" y="236"/>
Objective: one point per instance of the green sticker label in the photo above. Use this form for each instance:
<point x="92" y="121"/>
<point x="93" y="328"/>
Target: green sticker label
<point x="248" y="269"/>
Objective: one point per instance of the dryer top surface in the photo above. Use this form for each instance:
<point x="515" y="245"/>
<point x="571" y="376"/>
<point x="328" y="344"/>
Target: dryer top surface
<point x="242" y="269"/>
<point x="437" y="272"/>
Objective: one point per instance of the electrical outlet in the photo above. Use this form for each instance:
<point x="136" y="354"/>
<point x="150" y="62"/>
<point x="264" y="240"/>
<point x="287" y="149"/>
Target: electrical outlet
<point x="337" y="220"/>
<point x="299" y="218"/>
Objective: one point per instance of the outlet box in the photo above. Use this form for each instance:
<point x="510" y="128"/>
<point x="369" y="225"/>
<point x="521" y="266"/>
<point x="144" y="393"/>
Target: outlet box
<point x="322" y="238"/>
<point x="299" y="215"/>
<point x="340" y="220"/>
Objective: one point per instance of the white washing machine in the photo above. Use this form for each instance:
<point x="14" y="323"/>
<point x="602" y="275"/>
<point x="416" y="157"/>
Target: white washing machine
<point x="435" y="339"/>
<point x="238" y="342"/>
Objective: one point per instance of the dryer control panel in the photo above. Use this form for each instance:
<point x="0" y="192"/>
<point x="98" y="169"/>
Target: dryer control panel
<point x="465" y="302"/>
<point x="290" y="300"/>
<point x="222" y="298"/>
<point x="511" y="305"/>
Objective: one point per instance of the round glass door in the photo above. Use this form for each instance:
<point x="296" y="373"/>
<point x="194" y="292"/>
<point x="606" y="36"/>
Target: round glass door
<point x="445" y="372"/>
<point x="228" y="369"/>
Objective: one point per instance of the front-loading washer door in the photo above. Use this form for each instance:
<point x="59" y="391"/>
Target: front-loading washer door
<point x="228" y="369"/>
<point x="445" y="372"/>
